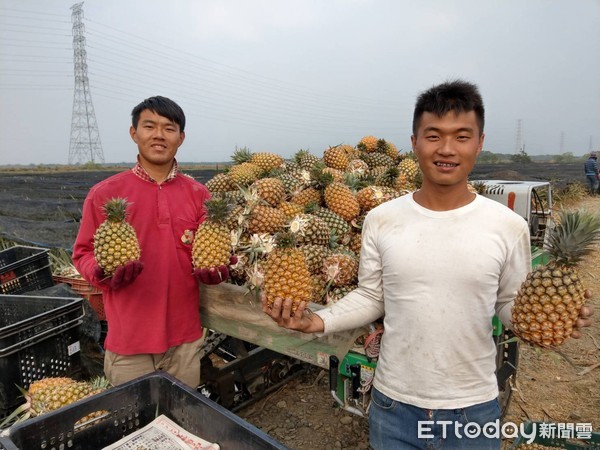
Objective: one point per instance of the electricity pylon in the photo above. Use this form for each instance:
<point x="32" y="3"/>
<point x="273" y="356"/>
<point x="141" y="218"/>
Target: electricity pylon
<point x="85" y="143"/>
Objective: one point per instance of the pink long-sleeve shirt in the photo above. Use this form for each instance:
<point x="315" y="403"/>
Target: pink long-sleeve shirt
<point x="159" y="309"/>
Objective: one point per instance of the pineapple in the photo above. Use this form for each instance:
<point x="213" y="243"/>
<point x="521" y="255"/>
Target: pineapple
<point x="310" y="229"/>
<point x="388" y="148"/>
<point x="341" y="268"/>
<point x="115" y="240"/>
<point x="244" y="174"/>
<point x="340" y="199"/>
<point x="315" y="255"/>
<point x="212" y="242"/>
<point x="267" y="161"/>
<point x="377" y="160"/>
<point x="358" y="167"/>
<point x="367" y="144"/>
<point x="372" y="196"/>
<point x="338" y="292"/>
<point x="266" y="219"/>
<point x="290" y="209"/>
<point x="51" y="393"/>
<point x="307" y="196"/>
<point x="305" y="159"/>
<point x="549" y="301"/>
<point x="336" y="174"/>
<point x="271" y="190"/>
<point x="336" y="158"/>
<point x="286" y="273"/>
<point x="220" y="183"/>
<point x="335" y="222"/>
<point x="409" y="168"/>
<point x="290" y="182"/>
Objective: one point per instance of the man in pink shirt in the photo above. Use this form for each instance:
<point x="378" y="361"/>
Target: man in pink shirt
<point x="151" y="305"/>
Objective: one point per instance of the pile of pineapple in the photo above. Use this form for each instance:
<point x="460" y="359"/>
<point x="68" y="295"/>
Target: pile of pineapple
<point x="295" y="225"/>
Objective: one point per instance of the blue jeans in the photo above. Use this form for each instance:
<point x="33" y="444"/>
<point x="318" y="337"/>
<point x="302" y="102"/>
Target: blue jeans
<point x="397" y="426"/>
<point x="593" y="183"/>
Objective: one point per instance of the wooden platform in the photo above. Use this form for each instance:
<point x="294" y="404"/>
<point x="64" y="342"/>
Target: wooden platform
<point x="232" y="310"/>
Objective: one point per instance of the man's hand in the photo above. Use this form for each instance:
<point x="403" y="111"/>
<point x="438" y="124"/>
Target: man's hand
<point x="300" y="320"/>
<point x="584" y="317"/>
<point x="214" y="275"/>
<point x="123" y="276"/>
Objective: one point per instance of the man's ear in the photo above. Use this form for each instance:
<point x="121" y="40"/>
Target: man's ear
<point x="181" y="137"/>
<point x="133" y="134"/>
<point x="481" y="139"/>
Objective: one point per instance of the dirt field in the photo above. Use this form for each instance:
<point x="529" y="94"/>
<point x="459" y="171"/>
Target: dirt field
<point x="44" y="209"/>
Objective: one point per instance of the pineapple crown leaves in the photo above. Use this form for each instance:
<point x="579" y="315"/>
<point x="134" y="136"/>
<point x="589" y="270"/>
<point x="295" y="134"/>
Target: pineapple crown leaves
<point x="116" y="209"/>
<point x="479" y="186"/>
<point x="251" y="197"/>
<point x="355" y="182"/>
<point x="320" y="178"/>
<point x="299" y="224"/>
<point x="217" y="209"/>
<point x="300" y="154"/>
<point x="312" y="207"/>
<point x="241" y="155"/>
<point x="382" y="145"/>
<point x="391" y="173"/>
<point x="100" y="382"/>
<point x="574" y="237"/>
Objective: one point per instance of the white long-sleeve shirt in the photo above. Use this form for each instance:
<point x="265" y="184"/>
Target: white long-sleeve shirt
<point x="439" y="277"/>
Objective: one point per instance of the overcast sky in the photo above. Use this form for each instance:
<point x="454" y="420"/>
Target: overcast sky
<point x="284" y="75"/>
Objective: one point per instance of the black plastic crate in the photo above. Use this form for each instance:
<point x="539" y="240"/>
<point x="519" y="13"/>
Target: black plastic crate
<point x="39" y="337"/>
<point x="24" y="269"/>
<point x="132" y="406"/>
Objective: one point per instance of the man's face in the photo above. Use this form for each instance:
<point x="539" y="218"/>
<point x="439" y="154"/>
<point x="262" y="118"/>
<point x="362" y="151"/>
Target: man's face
<point x="157" y="138"/>
<point x="447" y="146"/>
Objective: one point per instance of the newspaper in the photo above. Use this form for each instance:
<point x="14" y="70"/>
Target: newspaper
<point x="162" y="434"/>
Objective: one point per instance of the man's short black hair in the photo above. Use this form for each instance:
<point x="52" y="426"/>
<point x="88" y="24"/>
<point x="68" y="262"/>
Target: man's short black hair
<point x="457" y="95"/>
<point x="162" y="106"/>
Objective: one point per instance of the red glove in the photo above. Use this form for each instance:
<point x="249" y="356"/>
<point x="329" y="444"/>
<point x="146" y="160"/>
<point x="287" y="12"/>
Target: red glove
<point x="214" y="275"/>
<point x="123" y="276"/>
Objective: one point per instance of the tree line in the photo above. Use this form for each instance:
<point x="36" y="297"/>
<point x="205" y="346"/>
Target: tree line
<point x="486" y="157"/>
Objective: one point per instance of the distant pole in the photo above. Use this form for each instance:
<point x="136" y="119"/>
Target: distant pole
<point x="85" y="143"/>
<point x="519" y="136"/>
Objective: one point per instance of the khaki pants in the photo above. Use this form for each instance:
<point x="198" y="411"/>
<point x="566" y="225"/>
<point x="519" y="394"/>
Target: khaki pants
<point x="183" y="362"/>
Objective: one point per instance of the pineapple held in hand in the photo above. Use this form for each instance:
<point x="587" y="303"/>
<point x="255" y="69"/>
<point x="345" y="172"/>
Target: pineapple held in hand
<point x="212" y="243"/>
<point x="286" y="273"/>
<point x="550" y="299"/>
<point x="115" y="241"/>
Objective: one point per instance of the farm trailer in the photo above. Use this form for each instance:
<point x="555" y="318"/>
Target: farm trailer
<point x="260" y="356"/>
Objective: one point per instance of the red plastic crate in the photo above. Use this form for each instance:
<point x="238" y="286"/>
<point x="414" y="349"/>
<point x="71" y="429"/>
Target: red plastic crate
<point x="92" y="294"/>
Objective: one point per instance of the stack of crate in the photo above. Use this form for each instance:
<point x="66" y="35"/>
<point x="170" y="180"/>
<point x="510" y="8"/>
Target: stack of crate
<point x="39" y="335"/>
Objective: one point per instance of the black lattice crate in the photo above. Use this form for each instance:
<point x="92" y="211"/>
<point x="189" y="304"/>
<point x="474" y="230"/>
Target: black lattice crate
<point x="24" y="269"/>
<point x="132" y="406"/>
<point x="39" y="337"/>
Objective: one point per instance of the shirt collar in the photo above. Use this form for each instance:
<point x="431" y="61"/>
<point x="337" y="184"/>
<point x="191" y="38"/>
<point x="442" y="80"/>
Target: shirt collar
<point x="140" y="172"/>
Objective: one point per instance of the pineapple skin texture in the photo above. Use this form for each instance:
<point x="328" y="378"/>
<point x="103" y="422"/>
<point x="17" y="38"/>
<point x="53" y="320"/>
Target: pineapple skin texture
<point x="212" y="246"/>
<point x="548" y="305"/>
<point x="115" y="244"/>
<point x="287" y="276"/>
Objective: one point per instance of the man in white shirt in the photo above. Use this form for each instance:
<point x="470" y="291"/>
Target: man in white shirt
<point x="437" y="264"/>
